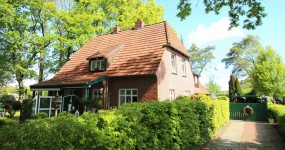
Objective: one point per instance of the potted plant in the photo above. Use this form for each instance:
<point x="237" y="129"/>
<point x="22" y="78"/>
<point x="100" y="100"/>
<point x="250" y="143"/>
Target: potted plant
<point x="270" y="116"/>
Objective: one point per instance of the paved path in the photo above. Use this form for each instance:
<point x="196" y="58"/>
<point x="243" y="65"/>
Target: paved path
<point x="247" y="135"/>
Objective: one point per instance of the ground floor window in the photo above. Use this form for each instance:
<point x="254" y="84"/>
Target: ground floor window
<point x="171" y="94"/>
<point x="187" y="93"/>
<point x="128" y="95"/>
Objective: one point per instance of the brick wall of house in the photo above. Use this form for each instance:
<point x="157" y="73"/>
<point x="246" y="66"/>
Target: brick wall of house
<point x="146" y="85"/>
<point x="167" y="80"/>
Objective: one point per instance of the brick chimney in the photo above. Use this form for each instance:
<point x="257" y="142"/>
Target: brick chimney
<point x="116" y="29"/>
<point x="139" y="24"/>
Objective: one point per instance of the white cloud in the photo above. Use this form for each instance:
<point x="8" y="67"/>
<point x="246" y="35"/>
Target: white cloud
<point x="216" y="31"/>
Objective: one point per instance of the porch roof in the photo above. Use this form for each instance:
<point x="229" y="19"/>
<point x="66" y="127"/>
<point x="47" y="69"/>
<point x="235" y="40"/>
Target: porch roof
<point x="69" y="80"/>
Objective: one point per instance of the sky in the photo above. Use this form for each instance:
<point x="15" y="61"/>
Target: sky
<point x="210" y="29"/>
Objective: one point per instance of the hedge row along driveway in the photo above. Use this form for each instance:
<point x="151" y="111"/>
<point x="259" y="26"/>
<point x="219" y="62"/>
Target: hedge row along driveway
<point x="181" y="124"/>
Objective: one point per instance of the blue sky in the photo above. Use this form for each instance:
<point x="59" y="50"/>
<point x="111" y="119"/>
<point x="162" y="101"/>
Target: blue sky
<point x="210" y="29"/>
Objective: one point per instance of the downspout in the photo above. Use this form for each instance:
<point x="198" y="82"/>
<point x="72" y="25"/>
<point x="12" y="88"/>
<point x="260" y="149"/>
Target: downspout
<point x="107" y="95"/>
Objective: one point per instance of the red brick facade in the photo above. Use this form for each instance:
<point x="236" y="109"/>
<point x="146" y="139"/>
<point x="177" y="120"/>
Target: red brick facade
<point x="146" y="85"/>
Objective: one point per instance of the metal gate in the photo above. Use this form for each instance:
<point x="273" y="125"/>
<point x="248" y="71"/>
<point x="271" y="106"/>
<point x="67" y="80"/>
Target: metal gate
<point x="259" y="113"/>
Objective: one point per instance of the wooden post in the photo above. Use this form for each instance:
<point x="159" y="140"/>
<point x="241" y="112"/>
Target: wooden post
<point x="104" y="95"/>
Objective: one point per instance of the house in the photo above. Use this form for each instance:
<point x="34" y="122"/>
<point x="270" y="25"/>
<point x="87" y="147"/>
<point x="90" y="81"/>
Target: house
<point x="145" y="63"/>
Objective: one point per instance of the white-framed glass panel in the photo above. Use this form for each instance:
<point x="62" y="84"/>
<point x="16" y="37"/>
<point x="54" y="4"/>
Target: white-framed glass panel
<point x="96" y="93"/>
<point x="128" y="96"/>
<point x="171" y="94"/>
<point x="173" y="63"/>
<point x="187" y="93"/>
<point x="183" y="65"/>
<point x="45" y="105"/>
<point x="97" y="65"/>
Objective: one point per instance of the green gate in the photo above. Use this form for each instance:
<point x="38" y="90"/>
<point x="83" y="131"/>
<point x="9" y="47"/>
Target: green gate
<point x="259" y="111"/>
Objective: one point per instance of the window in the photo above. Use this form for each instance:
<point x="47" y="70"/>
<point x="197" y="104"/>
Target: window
<point x="96" y="93"/>
<point x="128" y="96"/>
<point x="187" y="93"/>
<point x="183" y="65"/>
<point x="171" y="94"/>
<point x="97" y="65"/>
<point x="173" y="63"/>
<point x="69" y="92"/>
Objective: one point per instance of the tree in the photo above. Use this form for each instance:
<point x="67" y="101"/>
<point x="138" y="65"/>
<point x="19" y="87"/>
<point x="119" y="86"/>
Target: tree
<point x="234" y="87"/>
<point x="251" y="10"/>
<point x="81" y="20"/>
<point x="242" y="55"/>
<point x="10" y="104"/>
<point x="213" y="87"/>
<point x="200" y="57"/>
<point x="268" y="75"/>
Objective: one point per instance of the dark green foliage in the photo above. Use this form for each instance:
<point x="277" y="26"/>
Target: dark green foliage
<point x="10" y="104"/>
<point x="182" y="124"/>
<point x="41" y="115"/>
<point x="234" y="87"/>
<point x="251" y="11"/>
<point x="26" y="110"/>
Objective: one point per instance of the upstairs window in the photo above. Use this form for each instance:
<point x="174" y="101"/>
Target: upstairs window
<point x="173" y="63"/>
<point x="97" y="65"/>
<point x="183" y="65"/>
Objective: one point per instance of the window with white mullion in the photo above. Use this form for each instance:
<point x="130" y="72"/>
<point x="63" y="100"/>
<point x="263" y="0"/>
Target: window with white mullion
<point x="183" y="65"/>
<point x="171" y="94"/>
<point x="173" y="63"/>
<point x="128" y="96"/>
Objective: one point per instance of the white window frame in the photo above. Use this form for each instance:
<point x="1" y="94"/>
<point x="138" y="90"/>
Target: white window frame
<point x="171" y="94"/>
<point x="173" y="63"/>
<point x="94" y="93"/>
<point x="187" y="93"/>
<point x="183" y="65"/>
<point x="94" y="64"/>
<point x="125" y="95"/>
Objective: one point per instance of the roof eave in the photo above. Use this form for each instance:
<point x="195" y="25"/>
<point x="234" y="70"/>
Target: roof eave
<point x="177" y="49"/>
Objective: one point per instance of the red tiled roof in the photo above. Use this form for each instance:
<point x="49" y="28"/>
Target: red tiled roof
<point x="202" y="89"/>
<point x="140" y="53"/>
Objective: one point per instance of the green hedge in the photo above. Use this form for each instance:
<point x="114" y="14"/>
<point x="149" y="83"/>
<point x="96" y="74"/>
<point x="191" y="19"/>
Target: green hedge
<point x="278" y="112"/>
<point x="182" y="124"/>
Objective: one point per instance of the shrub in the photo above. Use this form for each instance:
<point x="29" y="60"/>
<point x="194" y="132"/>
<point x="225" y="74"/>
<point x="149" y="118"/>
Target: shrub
<point x="278" y="113"/>
<point x="182" y="124"/>
<point x="41" y="115"/>
<point x="26" y="110"/>
<point x="10" y="104"/>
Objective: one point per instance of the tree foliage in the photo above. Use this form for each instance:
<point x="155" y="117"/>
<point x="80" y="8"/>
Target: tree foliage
<point x="213" y="87"/>
<point x="242" y="55"/>
<point x="10" y="104"/>
<point x="251" y="10"/>
<point x="234" y="87"/>
<point x="200" y="57"/>
<point x="268" y="74"/>
<point x="43" y="34"/>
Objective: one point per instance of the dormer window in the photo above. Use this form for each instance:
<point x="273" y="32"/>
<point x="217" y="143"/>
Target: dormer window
<point x="98" y="64"/>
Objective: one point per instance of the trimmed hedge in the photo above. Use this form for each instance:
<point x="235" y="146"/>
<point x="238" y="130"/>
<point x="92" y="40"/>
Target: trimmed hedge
<point x="182" y="124"/>
<point x="278" y="113"/>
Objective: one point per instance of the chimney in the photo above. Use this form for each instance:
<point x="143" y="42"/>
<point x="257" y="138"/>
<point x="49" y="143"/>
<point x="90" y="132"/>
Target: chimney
<point x="139" y="24"/>
<point x="116" y="29"/>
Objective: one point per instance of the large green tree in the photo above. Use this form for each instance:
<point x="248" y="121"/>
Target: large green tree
<point x="200" y="57"/>
<point x="268" y="74"/>
<point x="242" y="55"/>
<point x="251" y="11"/>
<point x="213" y="87"/>
<point x="47" y="32"/>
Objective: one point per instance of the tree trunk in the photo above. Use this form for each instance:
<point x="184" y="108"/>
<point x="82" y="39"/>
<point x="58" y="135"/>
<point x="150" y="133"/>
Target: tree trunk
<point x="41" y="67"/>
<point x="20" y="78"/>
